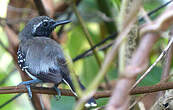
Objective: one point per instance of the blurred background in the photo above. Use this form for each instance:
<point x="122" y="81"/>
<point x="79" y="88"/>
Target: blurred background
<point x="100" y="17"/>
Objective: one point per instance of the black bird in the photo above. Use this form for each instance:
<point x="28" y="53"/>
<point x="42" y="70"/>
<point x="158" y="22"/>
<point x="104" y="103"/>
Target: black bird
<point x="41" y="58"/>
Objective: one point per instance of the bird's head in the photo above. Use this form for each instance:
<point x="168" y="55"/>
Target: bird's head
<point x="41" y="26"/>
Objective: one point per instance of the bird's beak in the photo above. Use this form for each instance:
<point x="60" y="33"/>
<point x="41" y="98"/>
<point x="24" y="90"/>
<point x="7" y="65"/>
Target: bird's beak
<point x="60" y="22"/>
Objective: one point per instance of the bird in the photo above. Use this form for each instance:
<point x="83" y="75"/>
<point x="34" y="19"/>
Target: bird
<point x="42" y="58"/>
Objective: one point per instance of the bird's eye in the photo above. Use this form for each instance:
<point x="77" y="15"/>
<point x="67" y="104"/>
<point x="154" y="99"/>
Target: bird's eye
<point x="45" y="23"/>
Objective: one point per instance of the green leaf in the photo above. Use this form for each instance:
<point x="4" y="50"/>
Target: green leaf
<point x="152" y="78"/>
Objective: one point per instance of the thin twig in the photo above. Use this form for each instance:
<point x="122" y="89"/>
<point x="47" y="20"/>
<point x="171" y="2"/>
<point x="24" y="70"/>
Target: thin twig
<point x="90" y="53"/>
<point x="12" y="99"/>
<point x="94" y="47"/>
<point x="166" y="65"/>
<point x="154" y="64"/>
<point x="156" y="10"/>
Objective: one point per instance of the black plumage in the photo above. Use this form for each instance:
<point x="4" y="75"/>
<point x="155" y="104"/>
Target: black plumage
<point x="41" y="57"/>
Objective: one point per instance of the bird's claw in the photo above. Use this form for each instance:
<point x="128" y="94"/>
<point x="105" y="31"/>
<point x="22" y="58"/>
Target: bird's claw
<point x="58" y="97"/>
<point x="29" y="91"/>
<point x="28" y="85"/>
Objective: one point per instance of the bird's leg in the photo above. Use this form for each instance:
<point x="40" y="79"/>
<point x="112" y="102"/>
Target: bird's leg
<point x="28" y="85"/>
<point x="58" y="92"/>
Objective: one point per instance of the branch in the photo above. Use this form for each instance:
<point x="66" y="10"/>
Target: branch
<point x="98" y="94"/>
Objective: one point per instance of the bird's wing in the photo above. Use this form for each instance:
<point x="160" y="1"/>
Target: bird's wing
<point x="44" y="59"/>
<point x="51" y="76"/>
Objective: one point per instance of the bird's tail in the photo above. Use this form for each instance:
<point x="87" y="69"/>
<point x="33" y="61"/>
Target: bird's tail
<point x="90" y="103"/>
